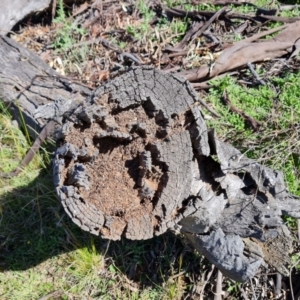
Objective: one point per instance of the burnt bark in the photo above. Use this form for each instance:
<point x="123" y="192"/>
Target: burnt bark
<point x="134" y="158"/>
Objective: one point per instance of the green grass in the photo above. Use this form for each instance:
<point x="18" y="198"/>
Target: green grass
<point x="276" y="106"/>
<point x="68" y="34"/>
<point x="14" y="145"/>
<point x="142" y="30"/>
<point x="68" y="58"/>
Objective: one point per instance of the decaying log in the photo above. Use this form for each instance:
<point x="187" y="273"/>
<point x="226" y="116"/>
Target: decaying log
<point x="13" y="11"/>
<point x="137" y="148"/>
<point x="27" y="84"/>
<point x="135" y="159"/>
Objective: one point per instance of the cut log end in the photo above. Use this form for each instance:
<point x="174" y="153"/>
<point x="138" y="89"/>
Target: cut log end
<point x="126" y="160"/>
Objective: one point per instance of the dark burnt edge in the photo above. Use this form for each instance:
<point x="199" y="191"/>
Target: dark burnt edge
<point x="261" y="187"/>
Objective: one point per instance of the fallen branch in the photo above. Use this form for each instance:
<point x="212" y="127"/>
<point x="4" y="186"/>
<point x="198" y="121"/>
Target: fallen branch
<point x="254" y="124"/>
<point x="197" y="15"/>
<point x="281" y="19"/>
<point x="246" y="51"/>
<point x="218" y="293"/>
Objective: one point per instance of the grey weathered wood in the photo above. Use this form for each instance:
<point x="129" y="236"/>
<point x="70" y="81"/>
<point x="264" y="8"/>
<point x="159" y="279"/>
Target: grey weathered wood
<point x="14" y="11"/>
<point x="229" y="208"/>
<point x="255" y="199"/>
<point x="162" y="97"/>
<point x="29" y="87"/>
<point x="226" y="252"/>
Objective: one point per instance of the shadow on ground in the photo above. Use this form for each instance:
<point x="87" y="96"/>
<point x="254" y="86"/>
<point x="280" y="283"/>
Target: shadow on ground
<point x="35" y="228"/>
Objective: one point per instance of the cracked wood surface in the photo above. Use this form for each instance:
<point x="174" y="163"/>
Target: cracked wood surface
<point x="135" y="159"/>
<point x="138" y="160"/>
<point x="138" y="157"/>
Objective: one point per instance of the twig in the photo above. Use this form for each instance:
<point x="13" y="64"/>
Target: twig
<point x="111" y="46"/>
<point x="196" y="15"/>
<point x="181" y="53"/>
<point x="281" y="19"/>
<point x="241" y="28"/>
<point x="218" y="293"/>
<point x="210" y="36"/>
<point x="208" y="277"/>
<point x="262" y="34"/>
<point x="173" y="69"/>
<point x="53" y="9"/>
<point x="251" y="68"/>
<point x="253" y="291"/>
<point x="288" y="7"/>
<point x="191" y="32"/>
<point x="254" y="124"/>
<point x="177" y="275"/>
<point x="243" y="293"/>
<point x="290" y="278"/>
<point x="278" y="284"/>
<point x="44" y="134"/>
<point x="298" y="223"/>
<point x="227" y="2"/>
<point x="209" y="108"/>
<point x="208" y="23"/>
